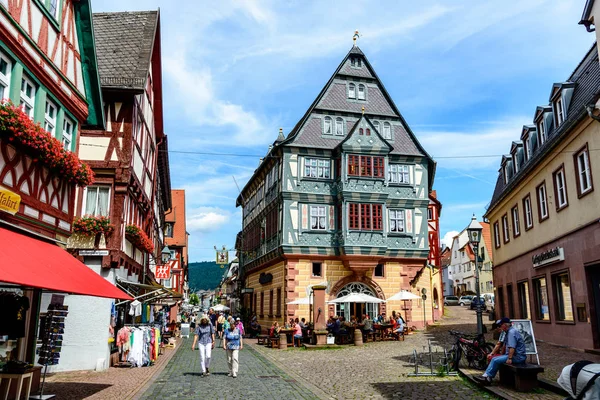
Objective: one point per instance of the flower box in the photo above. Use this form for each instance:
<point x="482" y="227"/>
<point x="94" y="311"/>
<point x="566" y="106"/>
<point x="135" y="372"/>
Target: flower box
<point x="138" y="238"/>
<point x="91" y="225"/>
<point x="31" y="138"/>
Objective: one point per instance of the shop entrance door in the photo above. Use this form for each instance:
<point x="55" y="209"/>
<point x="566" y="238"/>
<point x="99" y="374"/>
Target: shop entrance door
<point x="594" y="274"/>
<point x="358" y="309"/>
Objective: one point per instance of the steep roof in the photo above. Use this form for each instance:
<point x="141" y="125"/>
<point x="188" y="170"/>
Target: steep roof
<point x="124" y="42"/>
<point x="487" y="238"/>
<point x="177" y="217"/>
<point x="586" y="78"/>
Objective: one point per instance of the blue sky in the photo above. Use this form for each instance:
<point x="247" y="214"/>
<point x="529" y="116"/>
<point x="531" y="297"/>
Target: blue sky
<point x="466" y="75"/>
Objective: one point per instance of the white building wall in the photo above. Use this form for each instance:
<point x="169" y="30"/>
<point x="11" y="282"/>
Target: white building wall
<point x="85" y="341"/>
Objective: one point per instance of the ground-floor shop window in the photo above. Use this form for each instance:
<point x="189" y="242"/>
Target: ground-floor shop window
<point x="540" y="290"/>
<point x="562" y="294"/>
<point x="524" y="307"/>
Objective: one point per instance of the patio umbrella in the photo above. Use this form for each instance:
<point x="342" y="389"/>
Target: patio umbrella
<point x="404" y="295"/>
<point x="357" y="298"/>
<point x="220" y="307"/>
<point x="304" y="300"/>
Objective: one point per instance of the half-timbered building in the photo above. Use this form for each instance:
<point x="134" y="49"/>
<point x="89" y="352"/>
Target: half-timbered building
<point x="342" y="200"/>
<point x="48" y="70"/>
<point x="132" y="188"/>
<point x="176" y="238"/>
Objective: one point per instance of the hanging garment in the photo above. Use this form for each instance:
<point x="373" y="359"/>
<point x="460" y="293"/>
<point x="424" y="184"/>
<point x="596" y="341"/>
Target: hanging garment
<point x="135" y="309"/>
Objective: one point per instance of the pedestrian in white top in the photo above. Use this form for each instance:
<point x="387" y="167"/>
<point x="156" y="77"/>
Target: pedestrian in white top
<point x="205" y="336"/>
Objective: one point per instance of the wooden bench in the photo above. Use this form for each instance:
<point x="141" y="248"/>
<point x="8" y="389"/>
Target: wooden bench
<point x="262" y="339"/>
<point x="521" y="377"/>
<point x="274" y="342"/>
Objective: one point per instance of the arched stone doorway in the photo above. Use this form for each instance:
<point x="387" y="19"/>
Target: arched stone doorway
<point x="349" y="310"/>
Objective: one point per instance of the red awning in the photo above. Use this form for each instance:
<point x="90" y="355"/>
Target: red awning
<point x="34" y="263"/>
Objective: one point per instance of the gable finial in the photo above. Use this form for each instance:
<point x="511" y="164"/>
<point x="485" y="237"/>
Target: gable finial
<point x="363" y="110"/>
<point x="356" y="36"/>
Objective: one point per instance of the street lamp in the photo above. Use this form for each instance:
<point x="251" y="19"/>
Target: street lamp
<point x="474" y="231"/>
<point x="165" y="255"/>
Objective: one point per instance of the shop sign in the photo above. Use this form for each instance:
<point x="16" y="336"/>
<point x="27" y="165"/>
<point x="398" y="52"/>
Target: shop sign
<point x="9" y="201"/>
<point x="93" y="252"/>
<point x="163" y="272"/>
<point x="222" y="256"/>
<point x="551" y="256"/>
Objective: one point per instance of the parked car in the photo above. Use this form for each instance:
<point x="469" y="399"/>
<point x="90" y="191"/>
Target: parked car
<point x="465" y="300"/>
<point x="476" y="302"/>
<point x="489" y="302"/>
<point x="451" y="301"/>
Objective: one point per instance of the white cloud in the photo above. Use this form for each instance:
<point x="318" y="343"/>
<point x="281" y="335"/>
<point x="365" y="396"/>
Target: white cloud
<point x="206" y="219"/>
<point x="463" y="207"/>
<point x="448" y="237"/>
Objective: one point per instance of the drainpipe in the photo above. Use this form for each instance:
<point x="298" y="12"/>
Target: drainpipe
<point x="590" y="110"/>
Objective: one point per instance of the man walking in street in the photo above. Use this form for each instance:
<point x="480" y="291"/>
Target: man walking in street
<point x="514" y="353"/>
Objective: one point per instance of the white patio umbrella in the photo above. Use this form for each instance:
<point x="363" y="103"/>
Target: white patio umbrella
<point x="357" y="298"/>
<point x="304" y="300"/>
<point x="220" y="307"/>
<point x="404" y="295"/>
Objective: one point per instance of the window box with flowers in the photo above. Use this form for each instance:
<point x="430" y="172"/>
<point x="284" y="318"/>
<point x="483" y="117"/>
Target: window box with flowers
<point x="21" y="132"/>
<point x="91" y="231"/>
<point x="138" y="238"/>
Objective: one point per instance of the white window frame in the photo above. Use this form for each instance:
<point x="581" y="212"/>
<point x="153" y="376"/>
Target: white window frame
<point x="56" y="8"/>
<point x="351" y="91"/>
<point x="5" y="78"/>
<point x="505" y="229"/>
<point x="543" y="200"/>
<point x="515" y="163"/>
<point x="376" y="125"/>
<point x="399" y="173"/>
<point x="541" y="131"/>
<point x="362" y="94"/>
<point x="505" y="173"/>
<point x="527" y="145"/>
<point x="320" y="215"/>
<point x="328" y="121"/>
<point x="339" y="126"/>
<point x="560" y="116"/>
<point x="97" y="188"/>
<point x="528" y="212"/>
<point x="399" y="217"/>
<point x="561" y="188"/>
<point x="316" y="168"/>
<point x="67" y="137"/>
<point x="516" y="222"/>
<point x="387" y="130"/>
<point x="49" y="121"/>
<point x="583" y="171"/>
<point x="24" y="99"/>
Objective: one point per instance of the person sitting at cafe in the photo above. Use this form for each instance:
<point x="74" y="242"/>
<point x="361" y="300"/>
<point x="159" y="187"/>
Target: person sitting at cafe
<point x="275" y="328"/>
<point x="367" y="324"/>
<point x="399" y="329"/>
<point x="297" y="332"/>
<point x="334" y="325"/>
<point x="255" y="327"/>
<point x="302" y="323"/>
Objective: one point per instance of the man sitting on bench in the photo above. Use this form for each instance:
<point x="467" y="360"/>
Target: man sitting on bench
<point x="514" y="353"/>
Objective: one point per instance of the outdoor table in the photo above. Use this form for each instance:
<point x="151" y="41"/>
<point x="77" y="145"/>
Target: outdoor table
<point x="283" y="336"/>
<point x="382" y="328"/>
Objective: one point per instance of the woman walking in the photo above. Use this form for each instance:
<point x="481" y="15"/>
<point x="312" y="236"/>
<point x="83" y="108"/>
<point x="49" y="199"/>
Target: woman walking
<point x="233" y="344"/>
<point x="205" y="335"/>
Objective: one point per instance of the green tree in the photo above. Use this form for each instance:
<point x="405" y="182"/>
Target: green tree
<point x="194" y="300"/>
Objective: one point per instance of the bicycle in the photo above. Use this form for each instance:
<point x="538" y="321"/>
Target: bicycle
<point x="474" y="348"/>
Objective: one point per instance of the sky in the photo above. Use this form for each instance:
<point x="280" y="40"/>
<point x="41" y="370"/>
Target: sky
<point x="466" y="76"/>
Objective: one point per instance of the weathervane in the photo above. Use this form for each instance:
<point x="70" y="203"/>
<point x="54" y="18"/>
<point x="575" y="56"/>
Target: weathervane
<point x="356" y="36"/>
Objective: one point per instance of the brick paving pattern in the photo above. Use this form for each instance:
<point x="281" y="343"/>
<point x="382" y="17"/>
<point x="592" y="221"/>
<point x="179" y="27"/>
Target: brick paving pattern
<point x="112" y="384"/>
<point x="257" y="378"/>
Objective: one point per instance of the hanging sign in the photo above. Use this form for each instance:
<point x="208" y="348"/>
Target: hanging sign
<point x="163" y="271"/>
<point x="222" y="256"/>
<point x="9" y="201"/>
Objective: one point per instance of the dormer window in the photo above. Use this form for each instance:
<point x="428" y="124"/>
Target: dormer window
<point x="527" y="145"/>
<point x="541" y="128"/>
<point x="352" y="91"/>
<point x="362" y="92"/>
<point x="376" y="125"/>
<point x="559" y="112"/>
<point x="339" y="127"/>
<point x="355" y="62"/>
<point x="328" y="126"/>
<point x="515" y="163"/>
<point x="387" y="130"/>
<point x="505" y="173"/>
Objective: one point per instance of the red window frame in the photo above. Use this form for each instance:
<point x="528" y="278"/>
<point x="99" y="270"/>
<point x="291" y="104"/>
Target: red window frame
<point x="353" y="220"/>
<point x="377" y="217"/>
<point x="365" y="216"/>
<point x="378" y="168"/>
<point x="367" y="166"/>
<point x="353" y="165"/>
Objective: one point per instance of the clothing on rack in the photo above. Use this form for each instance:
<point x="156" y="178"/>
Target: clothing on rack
<point x="139" y="345"/>
<point x="135" y="309"/>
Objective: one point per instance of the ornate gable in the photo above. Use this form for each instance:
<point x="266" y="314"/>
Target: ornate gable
<point x="364" y="139"/>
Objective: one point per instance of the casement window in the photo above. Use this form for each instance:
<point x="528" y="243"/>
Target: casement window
<point x="527" y="148"/>
<point x="67" y="133"/>
<point x="527" y="212"/>
<point x="96" y="201"/>
<point x="317" y="269"/>
<point x="355" y="62"/>
<point x="351" y="91"/>
<point x="515" y="163"/>
<point x="339" y="126"/>
<point x="560" y="188"/>
<point x="362" y="92"/>
<point x="318" y="218"/>
<point x="397" y="221"/>
<point x="50" y="118"/>
<point x="366" y="166"/>
<point x="167" y="283"/>
<point x="542" y="199"/>
<point x="559" y="115"/>
<point x="562" y="296"/>
<point x="505" y="231"/>
<point x="364" y="217"/>
<point x="5" y="70"/>
<point x="398" y="173"/>
<point x="379" y="271"/>
<point x="515" y="220"/>
<point x="541" y="128"/>
<point x="496" y="234"/>
<point x="430" y="214"/>
<point x="523" y="294"/>
<point x="317" y="168"/>
<point x="368" y="132"/>
<point x="376" y="126"/>
<point x="27" y="100"/>
<point x="505" y="173"/>
<point x="583" y="172"/>
<point x="328" y="126"/>
<point x="387" y="130"/>
<point x="542" y="308"/>
<point x="169" y="229"/>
